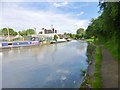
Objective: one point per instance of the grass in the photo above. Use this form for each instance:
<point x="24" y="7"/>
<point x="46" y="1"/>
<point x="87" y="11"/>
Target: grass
<point x="97" y="83"/>
<point x="112" y="46"/>
<point x="89" y="40"/>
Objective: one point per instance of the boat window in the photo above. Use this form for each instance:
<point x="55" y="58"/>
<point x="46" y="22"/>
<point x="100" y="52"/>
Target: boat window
<point x="9" y="43"/>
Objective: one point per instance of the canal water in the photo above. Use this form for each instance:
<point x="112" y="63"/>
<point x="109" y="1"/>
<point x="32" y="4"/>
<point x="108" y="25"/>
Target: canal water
<point x="49" y="66"/>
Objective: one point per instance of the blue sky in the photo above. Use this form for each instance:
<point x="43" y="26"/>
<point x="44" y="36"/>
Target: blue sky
<point x="65" y="16"/>
<point x="90" y="9"/>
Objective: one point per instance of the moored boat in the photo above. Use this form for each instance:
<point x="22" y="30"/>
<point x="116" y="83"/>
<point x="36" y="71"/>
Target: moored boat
<point x="58" y="41"/>
<point x="18" y="44"/>
<point x="68" y="39"/>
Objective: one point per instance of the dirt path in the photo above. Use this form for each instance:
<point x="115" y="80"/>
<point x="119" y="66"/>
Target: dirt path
<point x="109" y="70"/>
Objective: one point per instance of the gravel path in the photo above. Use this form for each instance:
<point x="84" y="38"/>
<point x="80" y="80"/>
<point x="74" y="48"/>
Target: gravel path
<point x="109" y="70"/>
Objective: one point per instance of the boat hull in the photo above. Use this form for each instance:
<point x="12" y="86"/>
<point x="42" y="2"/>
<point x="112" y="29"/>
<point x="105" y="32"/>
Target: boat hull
<point x="18" y="44"/>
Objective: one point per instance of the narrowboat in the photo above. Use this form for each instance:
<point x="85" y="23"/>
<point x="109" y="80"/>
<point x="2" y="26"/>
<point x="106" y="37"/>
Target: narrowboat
<point x="19" y="43"/>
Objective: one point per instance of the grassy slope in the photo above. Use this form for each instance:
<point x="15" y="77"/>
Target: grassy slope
<point x="112" y="46"/>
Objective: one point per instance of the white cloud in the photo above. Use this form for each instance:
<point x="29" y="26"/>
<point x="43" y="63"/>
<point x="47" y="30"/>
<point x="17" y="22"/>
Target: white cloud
<point x="81" y="13"/>
<point x="54" y="0"/>
<point x="60" y="4"/>
<point x="20" y="18"/>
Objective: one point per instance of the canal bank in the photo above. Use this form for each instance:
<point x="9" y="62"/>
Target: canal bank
<point x="100" y="73"/>
<point x="89" y="76"/>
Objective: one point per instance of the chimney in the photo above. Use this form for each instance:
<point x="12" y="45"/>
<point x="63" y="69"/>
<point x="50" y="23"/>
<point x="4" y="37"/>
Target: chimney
<point x="55" y="31"/>
<point x="45" y="31"/>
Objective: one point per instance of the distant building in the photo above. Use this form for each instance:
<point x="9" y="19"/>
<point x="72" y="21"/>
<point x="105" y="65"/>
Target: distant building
<point x="47" y="33"/>
<point x="61" y="36"/>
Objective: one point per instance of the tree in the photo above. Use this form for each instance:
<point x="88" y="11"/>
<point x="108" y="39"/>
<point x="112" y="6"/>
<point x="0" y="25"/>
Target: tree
<point x="55" y="37"/>
<point x="4" y="31"/>
<point x="12" y="32"/>
<point x="30" y="31"/>
<point x="27" y="32"/>
<point x="77" y="36"/>
<point x="0" y="31"/>
<point x="65" y="33"/>
<point x="23" y="33"/>
<point x="80" y="31"/>
<point x="107" y="24"/>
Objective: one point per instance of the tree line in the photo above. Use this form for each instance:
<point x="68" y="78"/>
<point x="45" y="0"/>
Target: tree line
<point x="105" y="29"/>
<point x="80" y="34"/>
<point x="12" y="32"/>
<point x="107" y="25"/>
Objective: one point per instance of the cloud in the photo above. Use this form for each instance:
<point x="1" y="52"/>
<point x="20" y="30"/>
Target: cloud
<point x="60" y="4"/>
<point x="81" y="13"/>
<point x="53" y="0"/>
<point x="21" y="18"/>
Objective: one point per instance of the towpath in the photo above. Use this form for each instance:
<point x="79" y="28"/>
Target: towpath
<point x="109" y="70"/>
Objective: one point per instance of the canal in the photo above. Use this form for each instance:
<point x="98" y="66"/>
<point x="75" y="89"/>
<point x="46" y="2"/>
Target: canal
<point x="48" y="66"/>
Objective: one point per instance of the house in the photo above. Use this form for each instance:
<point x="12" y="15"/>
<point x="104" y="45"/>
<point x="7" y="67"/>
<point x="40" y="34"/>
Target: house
<point x="47" y="34"/>
<point x="61" y="36"/>
<point x="48" y="31"/>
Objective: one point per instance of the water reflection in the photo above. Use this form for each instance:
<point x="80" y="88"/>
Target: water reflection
<point x="56" y="65"/>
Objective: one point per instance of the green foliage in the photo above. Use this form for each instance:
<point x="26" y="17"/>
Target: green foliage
<point x="27" y="32"/>
<point x="89" y="40"/>
<point x="12" y="32"/>
<point x="23" y="33"/>
<point x="80" y="30"/>
<point x="30" y="31"/>
<point x="4" y="31"/>
<point x="0" y="31"/>
<point x="16" y="39"/>
<point x="80" y="33"/>
<point x="78" y="36"/>
<point x="112" y="46"/>
<point x="106" y="24"/>
<point x="55" y="37"/>
<point x="70" y="35"/>
<point x="105" y="28"/>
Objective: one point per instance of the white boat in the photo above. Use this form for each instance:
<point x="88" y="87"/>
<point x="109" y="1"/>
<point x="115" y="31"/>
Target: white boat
<point x="59" y="41"/>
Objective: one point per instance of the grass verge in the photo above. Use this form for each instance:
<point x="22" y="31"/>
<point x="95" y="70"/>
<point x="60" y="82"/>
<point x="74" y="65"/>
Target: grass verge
<point x="89" y="40"/>
<point x="112" y="46"/>
<point x="97" y="83"/>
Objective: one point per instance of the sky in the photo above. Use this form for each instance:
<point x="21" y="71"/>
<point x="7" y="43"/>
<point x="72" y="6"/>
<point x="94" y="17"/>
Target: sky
<point x="65" y="16"/>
